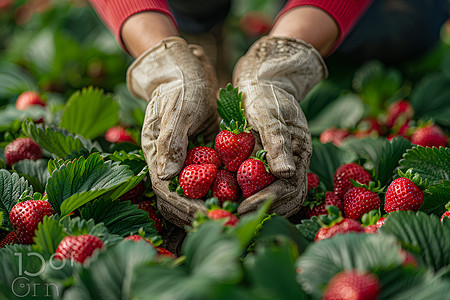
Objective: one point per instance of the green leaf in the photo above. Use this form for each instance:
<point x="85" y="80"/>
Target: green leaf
<point x="324" y="259"/>
<point x="48" y="235"/>
<point x="77" y="182"/>
<point x="136" y="161"/>
<point x="430" y="163"/>
<point x="120" y="217"/>
<point x="436" y="197"/>
<point x="13" y="80"/>
<point x="229" y="106"/>
<point x="270" y="260"/>
<point x="11" y="188"/>
<point x="344" y="112"/>
<point x="376" y="85"/>
<point x="127" y="185"/>
<point x="35" y="171"/>
<point x="325" y="159"/>
<point x="279" y="227"/>
<point x="391" y="153"/>
<point x="423" y="232"/>
<point x="57" y="141"/>
<point x="132" y="110"/>
<point x="10" y="117"/>
<point x="430" y="97"/>
<point x="321" y="95"/>
<point x="90" y="113"/>
<point x="111" y="271"/>
<point x="370" y="148"/>
<point x="309" y="228"/>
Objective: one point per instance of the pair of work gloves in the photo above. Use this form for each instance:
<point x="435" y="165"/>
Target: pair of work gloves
<point x="178" y="80"/>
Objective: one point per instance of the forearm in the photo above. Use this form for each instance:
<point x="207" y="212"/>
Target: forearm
<point x="309" y="24"/>
<point x="322" y="23"/>
<point x="142" y="31"/>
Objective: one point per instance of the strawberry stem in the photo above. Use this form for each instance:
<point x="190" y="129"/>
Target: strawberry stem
<point x="229" y="107"/>
<point x="261" y="156"/>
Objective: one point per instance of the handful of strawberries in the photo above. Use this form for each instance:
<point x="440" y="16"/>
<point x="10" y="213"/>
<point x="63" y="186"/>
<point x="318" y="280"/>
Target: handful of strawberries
<point x="227" y="171"/>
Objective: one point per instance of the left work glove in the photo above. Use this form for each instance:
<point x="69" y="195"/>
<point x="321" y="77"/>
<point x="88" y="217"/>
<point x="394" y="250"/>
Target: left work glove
<point x="273" y="77"/>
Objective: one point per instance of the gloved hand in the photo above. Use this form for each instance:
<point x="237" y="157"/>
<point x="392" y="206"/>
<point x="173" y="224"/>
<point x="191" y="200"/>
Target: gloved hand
<point x="180" y="85"/>
<point x="274" y="75"/>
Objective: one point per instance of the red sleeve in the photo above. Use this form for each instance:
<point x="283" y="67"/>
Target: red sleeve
<point x="115" y="12"/>
<point x="345" y="12"/>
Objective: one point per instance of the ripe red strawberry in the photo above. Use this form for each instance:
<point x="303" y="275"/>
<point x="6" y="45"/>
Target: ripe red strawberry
<point x="25" y="217"/>
<point x="164" y="252"/>
<point x="217" y="214"/>
<point x="399" y="112"/>
<point x="371" y="228"/>
<point x="334" y="135"/>
<point x="429" y="136"/>
<point x="345" y="226"/>
<point x="202" y="155"/>
<point x="9" y="239"/>
<point x="159" y="250"/>
<point x="196" y="180"/>
<point x="233" y="148"/>
<point x="78" y="247"/>
<point x="342" y="175"/>
<point x="445" y="214"/>
<point x="135" y="238"/>
<point x="150" y="209"/>
<point x="226" y="187"/>
<point x="27" y="99"/>
<point x="330" y="200"/>
<point x="313" y="181"/>
<point x="253" y="175"/>
<point x="403" y="194"/>
<point x="368" y="127"/>
<point x="20" y="149"/>
<point x="408" y="259"/>
<point x="352" y="285"/>
<point x="134" y="193"/>
<point x="234" y="143"/>
<point x="358" y="201"/>
<point x="118" y="134"/>
<point x="254" y="24"/>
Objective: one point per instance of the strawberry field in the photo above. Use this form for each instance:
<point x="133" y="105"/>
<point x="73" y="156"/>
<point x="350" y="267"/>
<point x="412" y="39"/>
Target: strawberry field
<point x="79" y="218"/>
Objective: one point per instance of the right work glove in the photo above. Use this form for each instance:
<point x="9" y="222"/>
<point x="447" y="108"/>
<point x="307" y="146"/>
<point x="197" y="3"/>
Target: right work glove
<point x="179" y="82"/>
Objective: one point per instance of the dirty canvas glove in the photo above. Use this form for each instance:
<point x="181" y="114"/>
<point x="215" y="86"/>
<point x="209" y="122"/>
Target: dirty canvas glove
<point x="274" y="76"/>
<point x="179" y="83"/>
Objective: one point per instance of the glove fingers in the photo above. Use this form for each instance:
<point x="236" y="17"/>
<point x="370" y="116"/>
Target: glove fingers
<point x="286" y="196"/>
<point x="176" y="209"/>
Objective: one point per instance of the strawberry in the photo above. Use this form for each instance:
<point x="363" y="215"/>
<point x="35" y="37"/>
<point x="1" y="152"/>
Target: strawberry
<point x="254" y="24"/>
<point x="134" y="193"/>
<point x="429" y="136"/>
<point x="253" y="174"/>
<point x="27" y="99"/>
<point x="344" y="173"/>
<point x="226" y="187"/>
<point x="320" y="209"/>
<point x="313" y="181"/>
<point x="25" y="217"/>
<point x="399" y="112"/>
<point x="235" y="142"/>
<point x="445" y="214"/>
<point x="202" y="155"/>
<point x="408" y="259"/>
<point x="78" y="247"/>
<point x="358" y="201"/>
<point x="334" y="135"/>
<point x="368" y="127"/>
<point x="334" y="223"/>
<point x="20" y="149"/>
<point x="9" y="239"/>
<point x="354" y="285"/>
<point x="150" y="209"/>
<point x="160" y="251"/>
<point x="217" y="214"/>
<point x="195" y="180"/>
<point x="404" y="194"/>
<point x="118" y="134"/>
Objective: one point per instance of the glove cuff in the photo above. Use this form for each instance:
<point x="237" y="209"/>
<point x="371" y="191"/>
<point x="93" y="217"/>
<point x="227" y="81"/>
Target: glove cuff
<point x="172" y="61"/>
<point x="291" y="64"/>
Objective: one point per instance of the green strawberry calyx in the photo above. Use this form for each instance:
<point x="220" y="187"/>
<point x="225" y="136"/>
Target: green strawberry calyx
<point x="372" y="186"/>
<point x="174" y="186"/>
<point x="229" y="107"/>
<point x="334" y="217"/>
<point x="447" y="206"/>
<point x="371" y="217"/>
<point x="420" y="182"/>
<point x="261" y="156"/>
<point x="24" y="197"/>
<point x="213" y="203"/>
